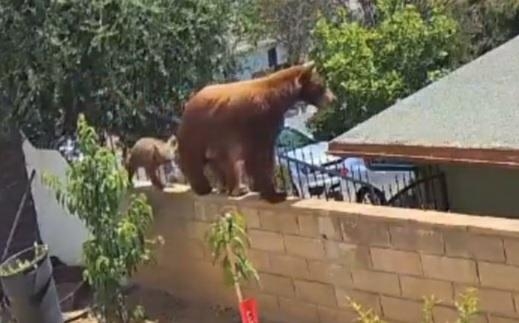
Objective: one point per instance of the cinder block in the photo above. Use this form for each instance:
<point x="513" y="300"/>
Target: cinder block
<point x="329" y="228"/>
<point x="469" y="245"/>
<point x="259" y="259"/>
<point x="305" y="247"/>
<point x="501" y="319"/>
<point x="316" y="293"/>
<point x="289" y="266"/>
<point x="377" y="282"/>
<point x="277" y="285"/>
<point x="499" y="276"/>
<point x="197" y="250"/>
<point x="252" y="217"/>
<point x="298" y="311"/>
<point x="512" y="251"/>
<point x="417" y="288"/>
<point x="308" y="226"/>
<point x="365" y="232"/>
<point x="451" y="269"/>
<point x="333" y="315"/>
<point x="348" y="255"/>
<point x="268" y="304"/>
<point x="414" y="238"/>
<point x="401" y="310"/>
<point x="212" y="211"/>
<point x="331" y="273"/>
<point x="403" y="262"/>
<point x="197" y="230"/>
<point x="279" y="222"/>
<point x="267" y="241"/>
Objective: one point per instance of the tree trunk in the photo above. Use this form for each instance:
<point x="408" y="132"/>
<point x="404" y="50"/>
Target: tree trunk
<point x="13" y="182"/>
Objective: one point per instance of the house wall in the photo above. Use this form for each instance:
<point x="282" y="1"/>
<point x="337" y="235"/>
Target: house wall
<point x="483" y="190"/>
<point x="63" y="232"/>
<point x="256" y="59"/>
<point x="312" y="254"/>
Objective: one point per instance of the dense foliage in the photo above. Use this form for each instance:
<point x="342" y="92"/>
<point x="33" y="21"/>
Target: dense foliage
<point x="467" y="309"/>
<point x="370" y="67"/>
<point x="484" y="24"/>
<point x="127" y="64"/>
<point x="96" y="190"/>
<point x="289" y="22"/>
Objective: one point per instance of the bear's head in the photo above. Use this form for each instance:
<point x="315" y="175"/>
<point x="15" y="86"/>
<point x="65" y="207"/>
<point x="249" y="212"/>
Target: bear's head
<point x="313" y="88"/>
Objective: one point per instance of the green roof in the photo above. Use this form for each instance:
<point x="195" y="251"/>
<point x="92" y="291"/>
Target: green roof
<point x="475" y="107"/>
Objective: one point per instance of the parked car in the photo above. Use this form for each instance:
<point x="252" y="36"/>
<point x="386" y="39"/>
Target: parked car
<point x="313" y="172"/>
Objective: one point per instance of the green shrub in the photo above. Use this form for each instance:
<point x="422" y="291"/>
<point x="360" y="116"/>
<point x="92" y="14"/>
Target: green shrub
<point x="370" y="67"/>
<point x="96" y="190"/>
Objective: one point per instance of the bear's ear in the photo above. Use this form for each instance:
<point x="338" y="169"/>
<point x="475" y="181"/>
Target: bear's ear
<point x="309" y="65"/>
<point x="307" y="73"/>
<point x="173" y="142"/>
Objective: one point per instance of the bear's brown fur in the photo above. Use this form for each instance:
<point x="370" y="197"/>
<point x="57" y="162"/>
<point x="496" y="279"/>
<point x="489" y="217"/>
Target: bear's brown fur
<point x="239" y="121"/>
<point x="150" y="153"/>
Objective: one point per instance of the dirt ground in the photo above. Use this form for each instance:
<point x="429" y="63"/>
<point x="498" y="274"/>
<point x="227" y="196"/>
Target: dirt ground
<point x="162" y="307"/>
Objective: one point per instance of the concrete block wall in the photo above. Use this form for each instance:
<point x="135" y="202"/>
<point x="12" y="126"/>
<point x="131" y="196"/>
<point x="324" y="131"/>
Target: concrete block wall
<point x="312" y="255"/>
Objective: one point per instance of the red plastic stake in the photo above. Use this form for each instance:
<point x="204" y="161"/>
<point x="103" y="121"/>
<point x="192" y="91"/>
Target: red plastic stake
<point x="249" y="311"/>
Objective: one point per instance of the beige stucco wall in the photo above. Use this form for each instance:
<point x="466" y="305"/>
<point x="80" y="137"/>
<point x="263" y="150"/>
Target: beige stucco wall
<point x="311" y="254"/>
<point x="483" y="190"/>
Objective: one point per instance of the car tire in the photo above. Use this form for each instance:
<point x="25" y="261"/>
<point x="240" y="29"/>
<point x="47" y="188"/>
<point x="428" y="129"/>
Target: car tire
<point x="370" y="196"/>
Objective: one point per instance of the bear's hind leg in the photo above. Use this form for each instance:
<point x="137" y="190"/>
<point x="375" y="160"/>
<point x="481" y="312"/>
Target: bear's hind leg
<point x="151" y="172"/>
<point x="260" y="166"/>
<point x="216" y="176"/>
<point x="239" y="188"/>
<point x="231" y="162"/>
<point x="193" y="171"/>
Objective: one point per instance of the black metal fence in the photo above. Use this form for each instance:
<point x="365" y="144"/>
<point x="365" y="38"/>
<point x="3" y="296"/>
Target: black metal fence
<point x="356" y="180"/>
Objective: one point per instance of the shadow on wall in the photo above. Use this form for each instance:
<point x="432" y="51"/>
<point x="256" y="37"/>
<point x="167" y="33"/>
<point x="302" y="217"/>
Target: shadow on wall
<point x="64" y="233"/>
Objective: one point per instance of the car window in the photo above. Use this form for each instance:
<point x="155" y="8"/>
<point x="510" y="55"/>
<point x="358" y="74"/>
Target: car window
<point x="291" y="138"/>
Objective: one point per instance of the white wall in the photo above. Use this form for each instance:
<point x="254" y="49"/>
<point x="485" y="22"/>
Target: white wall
<point x="64" y="233"/>
<point x="256" y="59"/>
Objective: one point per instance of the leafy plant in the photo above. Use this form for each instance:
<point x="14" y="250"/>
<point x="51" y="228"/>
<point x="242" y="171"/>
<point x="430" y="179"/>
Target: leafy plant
<point x="289" y="22"/>
<point x="427" y="311"/>
<point x="467" y="307"/>
<point x="370" y="67"/>
<point x="228" y="241"/>
<point x="484" y="24"/>
<point x="96" y="190"/>
<point x="18" y="265"/>
<point x="127" y="64"/>
<point x="364" y="315"/>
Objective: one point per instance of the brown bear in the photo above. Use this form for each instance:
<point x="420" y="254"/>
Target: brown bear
<point x="218" y="164"/>
<point x="150" y="153"/>
<point x="240" y="122"/>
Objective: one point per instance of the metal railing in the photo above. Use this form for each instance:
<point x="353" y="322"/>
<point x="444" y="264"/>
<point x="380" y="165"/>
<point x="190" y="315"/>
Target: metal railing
<point x="400" y="185"/>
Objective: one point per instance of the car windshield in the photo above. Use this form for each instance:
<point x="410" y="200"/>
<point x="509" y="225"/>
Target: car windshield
<point x="291" y="138"/>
